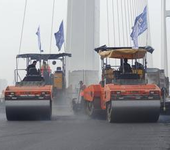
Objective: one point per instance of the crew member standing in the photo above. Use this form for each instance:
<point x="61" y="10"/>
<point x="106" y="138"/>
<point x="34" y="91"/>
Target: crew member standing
<point x="45" y="71"/>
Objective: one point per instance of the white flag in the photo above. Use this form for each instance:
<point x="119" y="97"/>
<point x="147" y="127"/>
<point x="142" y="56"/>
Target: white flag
<point x="39" y="39"/>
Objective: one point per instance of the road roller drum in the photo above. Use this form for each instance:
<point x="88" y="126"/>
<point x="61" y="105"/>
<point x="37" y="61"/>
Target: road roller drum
<point x="133" y="111"/>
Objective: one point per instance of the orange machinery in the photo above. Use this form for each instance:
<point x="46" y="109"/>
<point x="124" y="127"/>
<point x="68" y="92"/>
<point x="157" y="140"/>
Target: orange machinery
<point x="123" y="96"/>
<point x="31" y="96"/>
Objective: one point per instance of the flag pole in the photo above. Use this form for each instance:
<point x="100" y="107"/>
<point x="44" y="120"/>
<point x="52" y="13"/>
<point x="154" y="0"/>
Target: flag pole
<point x="52" y="20"/>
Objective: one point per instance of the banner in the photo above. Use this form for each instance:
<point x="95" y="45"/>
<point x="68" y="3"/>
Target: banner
<point x="59" y="36"/>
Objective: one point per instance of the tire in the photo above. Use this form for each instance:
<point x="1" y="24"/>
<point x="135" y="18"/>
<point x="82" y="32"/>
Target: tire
<point x="13" y="114"/>
<point x="83" y="105"/>
<point x="49" y="113"/>
<point x="110" y="118"/>
<point x="90" y="110"/>
<point x="73" y="105"/>
<point x="10" y="116"/>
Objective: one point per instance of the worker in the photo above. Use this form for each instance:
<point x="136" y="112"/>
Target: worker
<point x="138" y="65"/>
<point x="127" y="67"/>
<point x="82" y="87"/>
<point x="45" y="71"/>
<point x="109" y="74"/>
<point x="45" y="68"/>
<point x="31" y="69"/>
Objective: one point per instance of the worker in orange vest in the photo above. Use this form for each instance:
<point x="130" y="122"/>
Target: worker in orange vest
<point x="45" y="67"/>
<point x="45" y="71"/>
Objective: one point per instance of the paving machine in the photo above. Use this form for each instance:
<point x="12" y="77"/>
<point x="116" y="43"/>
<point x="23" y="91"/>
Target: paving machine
<point x="157" y="76"/>
<point x="123" y="95"/>
<point x="31" y="96"/>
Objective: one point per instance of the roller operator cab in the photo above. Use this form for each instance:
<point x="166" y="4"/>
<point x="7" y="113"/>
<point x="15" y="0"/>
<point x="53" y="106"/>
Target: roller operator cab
<point x="32" y="95"/>
<point x="123" y="94"/>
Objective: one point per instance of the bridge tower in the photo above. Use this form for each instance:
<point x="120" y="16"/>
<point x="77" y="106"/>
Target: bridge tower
<point x="165" y="14"/>
<point x="82" y="37"/>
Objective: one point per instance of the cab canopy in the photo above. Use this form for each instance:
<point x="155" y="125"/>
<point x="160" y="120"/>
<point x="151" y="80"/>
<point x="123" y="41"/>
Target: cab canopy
<point x="35" y="56"/>
<point x="123" y="52"/>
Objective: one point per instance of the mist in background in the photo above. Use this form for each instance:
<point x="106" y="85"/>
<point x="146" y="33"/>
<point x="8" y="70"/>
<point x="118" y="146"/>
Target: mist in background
<point x="39" y="13"/>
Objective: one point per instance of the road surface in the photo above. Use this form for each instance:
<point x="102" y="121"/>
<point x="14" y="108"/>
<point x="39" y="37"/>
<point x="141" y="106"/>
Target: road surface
<point x="67" y="131"/>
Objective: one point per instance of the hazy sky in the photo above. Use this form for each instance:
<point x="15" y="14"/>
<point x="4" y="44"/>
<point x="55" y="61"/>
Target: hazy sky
<point x="39" y="12"/>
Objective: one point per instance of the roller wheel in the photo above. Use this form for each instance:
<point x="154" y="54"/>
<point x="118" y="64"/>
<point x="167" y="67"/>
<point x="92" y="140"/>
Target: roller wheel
<point x="109" y="113"/>
<point x="90" y="109"/>
<point x="29" y="114"/>
<point x="10" y="116"/>
<point x="48" y="115"/>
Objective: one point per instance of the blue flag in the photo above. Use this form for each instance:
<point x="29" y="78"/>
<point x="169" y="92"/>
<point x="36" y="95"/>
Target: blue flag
<point x="139" y="27"/>
<point x="39" y="39"/>
<point x="59" y="36"/>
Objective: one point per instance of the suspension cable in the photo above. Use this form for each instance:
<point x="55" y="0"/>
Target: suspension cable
<point x="130" y="21"/>
<point x="118" y="22"/>
<point x="136" y="8"/>
<point x="85" y="41"/>
<point x="148" y="25"/>
<point x="135" y="15"/>
<point x="114" y="32"/>
<point x="122" y="16"/>
<point x="107" y="6"/>
<point x="22" y="29"/>
<point x="147" y="33"/>
<point x="52" y="20"/>
<point x="126" y="22"/>
<point x="132" y="13"/>
<point x="130" y="9"/>
<point x="127" y="18"/>
<point x="114" y="37"/>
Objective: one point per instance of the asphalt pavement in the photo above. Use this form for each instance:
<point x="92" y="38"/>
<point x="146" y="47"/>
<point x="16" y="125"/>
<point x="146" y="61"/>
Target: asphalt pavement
<point x="67" y="131"/>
